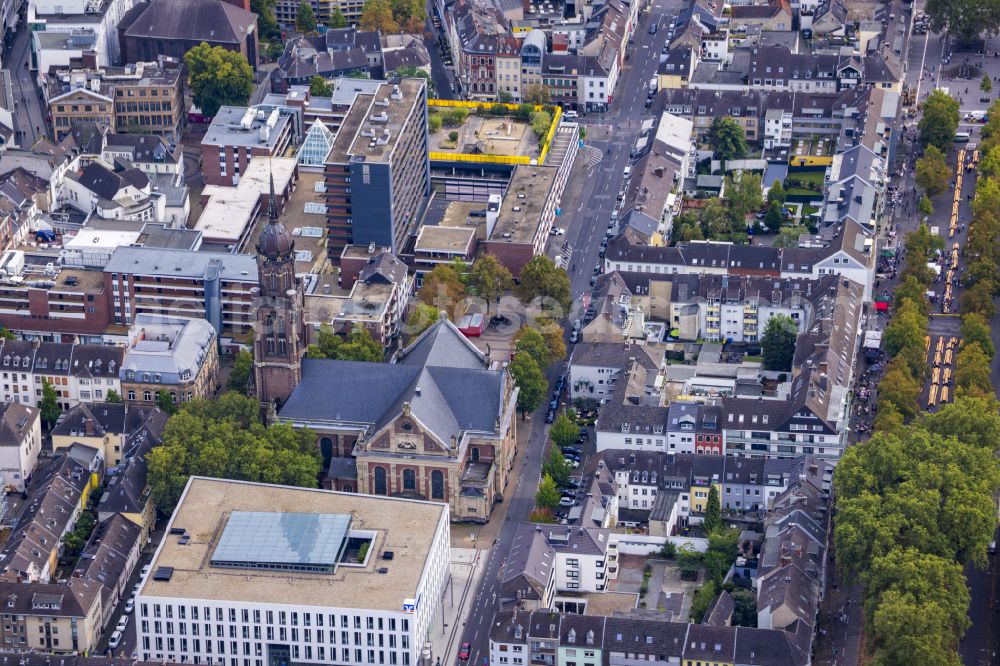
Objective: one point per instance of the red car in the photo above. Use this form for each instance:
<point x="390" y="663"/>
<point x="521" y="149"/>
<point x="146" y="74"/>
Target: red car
<point x="464" y="653"/>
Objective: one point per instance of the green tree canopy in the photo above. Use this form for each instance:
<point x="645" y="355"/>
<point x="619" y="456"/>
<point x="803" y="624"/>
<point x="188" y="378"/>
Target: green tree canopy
<point x="218" y="77"/>
<point x="225" y="439"/>
<point x="979" y="299"/>
<point x="911" y="290"/>
<point x="377" y="15"/>
<point x="744" y="196"/>
<point x="530" y="382"/>
<point x="165" y="402"/>
<point x="540" y="122"/>
<point x="986" y="84"/>
<point x="443" y="288"/>
<point x="337" y="19"/>
<point x="774" y="218"/>
<point x="777" y="195"/>
<point x="974" y="420"/>
<point x="564" y="430"/>
<point x="320" y="87"/>
<point x="112" y="396"/>
<point x="555" y="467"/>
<point x="976" y="330"/>
<point x="239" y="375"/>
<point x="726" y="138"/>
<point x="529" y="341"/>
<point x="267" y="26"/>
<point x="540" y="278"/>
<point x="490" y="279"/>
<point x="547" y="497"/>
<point x="49" y="404"/>
<point x="932" y="173"/>
<point x="939" y="121"/>
<point x="778" y="343"/>
<point x="305" y="18"/>
<point x="899" y="388"/>
<point x="972" y="370"/>
<point x="357" y="346"/>
<point x="422" y="318"/>
<point x="965" y="20"/>
<point x="713" y="511"/>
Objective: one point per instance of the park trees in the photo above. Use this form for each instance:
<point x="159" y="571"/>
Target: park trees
<point x="932" y="172"/>
<point x="965" y="20"/>
<point x="225" y="438"/>
<point x="218" y="77"/>
<point x="490" y="279"/>
<point x="421" y="318"/>
<point x="940" y="120"/>
<point x="541" y="278"/>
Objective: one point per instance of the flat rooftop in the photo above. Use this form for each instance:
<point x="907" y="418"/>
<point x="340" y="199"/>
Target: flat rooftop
<point x="373" y="125"/>
<point x="405" y="527"/>
<point x="496" y="135"/>
<point x="521" y="210"/>
<point x="304" y="217"/>
<point x="245" y="126"/>
<point x="231" y="210"/>
<point x="445" y="239"/>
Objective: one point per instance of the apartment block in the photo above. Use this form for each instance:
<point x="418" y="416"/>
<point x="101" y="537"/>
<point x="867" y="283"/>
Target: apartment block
<point x="211" y="285"/>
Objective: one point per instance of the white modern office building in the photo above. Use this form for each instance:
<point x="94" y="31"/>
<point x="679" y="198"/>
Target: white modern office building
<point x="253" y="574"/>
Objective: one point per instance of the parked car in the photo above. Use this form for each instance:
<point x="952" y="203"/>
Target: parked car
<point x="567" y="502"/>
<point x="465" y="651"/>
<point x="122" y="623"/>
<point x="575" y="464"/>
<point x="574" y="337"/>
<point x="116" y="640"/>
<point x="573" y="450"/>
<point x="550" y="416"/>
<point x="130" y="605"/>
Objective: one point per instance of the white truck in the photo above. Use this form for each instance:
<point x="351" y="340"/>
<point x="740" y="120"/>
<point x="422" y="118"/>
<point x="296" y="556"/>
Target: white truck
<point x="654" y="84"/>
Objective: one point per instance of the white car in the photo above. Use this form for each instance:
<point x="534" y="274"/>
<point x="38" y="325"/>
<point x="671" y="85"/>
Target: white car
<point x="556" y="231"/>
<point x="116" y="640"/>
<point x="130" y="605"/>
<point x="571" y="114"/>
<point x="122" y="623"/>
<point x="567" y="501"/>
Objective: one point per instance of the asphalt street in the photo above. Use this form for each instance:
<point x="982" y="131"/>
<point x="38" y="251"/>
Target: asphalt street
<point x="587" y="222"/>
<point x="29" y="118"/>
<point x="590" y="218"/>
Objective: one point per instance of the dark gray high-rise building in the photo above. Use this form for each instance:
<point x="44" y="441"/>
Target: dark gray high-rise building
<point x="378" y="170"/>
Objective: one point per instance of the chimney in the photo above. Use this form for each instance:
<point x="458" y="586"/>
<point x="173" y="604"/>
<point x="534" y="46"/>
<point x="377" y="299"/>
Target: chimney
<point x="88" y="427"/>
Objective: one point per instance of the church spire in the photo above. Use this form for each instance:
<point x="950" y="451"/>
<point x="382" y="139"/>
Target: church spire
<point x="275" y="241"/>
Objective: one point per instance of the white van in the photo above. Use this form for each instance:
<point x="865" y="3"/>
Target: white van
<point x="628" y="171"/>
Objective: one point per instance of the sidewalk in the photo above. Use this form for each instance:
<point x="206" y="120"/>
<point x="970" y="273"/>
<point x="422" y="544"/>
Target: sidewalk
<point x="466" y="569"/>
<point x="481" y="537"/>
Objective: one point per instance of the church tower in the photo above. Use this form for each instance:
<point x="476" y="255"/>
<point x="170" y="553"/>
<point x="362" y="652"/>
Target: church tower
<point x="277" y="303"/>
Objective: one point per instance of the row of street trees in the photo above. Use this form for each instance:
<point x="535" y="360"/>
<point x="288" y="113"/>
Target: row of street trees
<point x="915" y="505"/>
